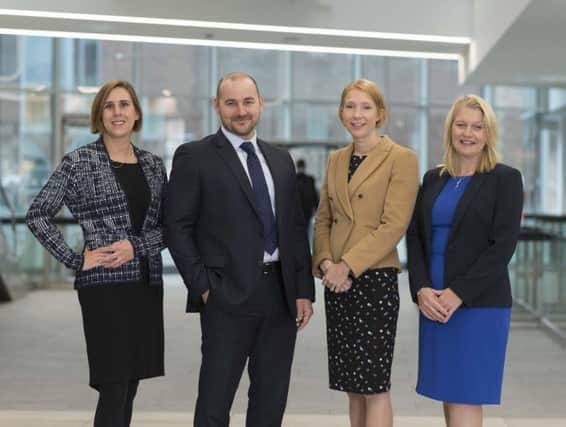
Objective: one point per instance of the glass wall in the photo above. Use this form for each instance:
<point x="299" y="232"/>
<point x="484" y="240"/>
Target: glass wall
<point x="47" y="86"/>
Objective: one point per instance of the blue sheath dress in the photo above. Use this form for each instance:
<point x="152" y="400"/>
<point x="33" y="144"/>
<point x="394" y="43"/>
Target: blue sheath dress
<point x="460" y="361"/>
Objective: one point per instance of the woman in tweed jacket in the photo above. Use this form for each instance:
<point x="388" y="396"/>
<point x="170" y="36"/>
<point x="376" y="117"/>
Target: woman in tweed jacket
<point x="114" y="190"/>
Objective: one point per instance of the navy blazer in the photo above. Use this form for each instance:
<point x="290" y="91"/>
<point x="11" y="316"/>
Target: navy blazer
<point x="214" y="231"/>
<point x="481" y="240"/>
<point x="85" y="182"/>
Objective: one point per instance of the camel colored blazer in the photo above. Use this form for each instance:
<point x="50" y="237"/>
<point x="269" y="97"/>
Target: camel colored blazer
<point x="361" y="221"/>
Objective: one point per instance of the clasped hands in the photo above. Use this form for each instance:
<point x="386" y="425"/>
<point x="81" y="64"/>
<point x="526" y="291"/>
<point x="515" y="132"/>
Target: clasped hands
<point x="438" y="305"/>
<point x="336" y="276"/>
<point x="111" y="256"/>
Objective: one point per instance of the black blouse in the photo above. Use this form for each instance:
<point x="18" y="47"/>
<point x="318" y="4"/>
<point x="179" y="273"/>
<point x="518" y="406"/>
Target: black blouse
<point x="355" y="161"/>
<point x="134" y="184"/>
<point x="132" y="180"/>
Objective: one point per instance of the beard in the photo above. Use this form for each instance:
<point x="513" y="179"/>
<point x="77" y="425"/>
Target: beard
<point x="233" y="126"/>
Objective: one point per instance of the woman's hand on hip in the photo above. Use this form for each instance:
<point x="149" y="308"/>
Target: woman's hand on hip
<point x="118" y="253"/>
<point x="95" y="258"/>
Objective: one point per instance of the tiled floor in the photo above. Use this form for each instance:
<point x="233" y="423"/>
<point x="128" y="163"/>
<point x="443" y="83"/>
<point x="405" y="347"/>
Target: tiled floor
<point x="175" y="419"/>
<point x="43" y="371"/>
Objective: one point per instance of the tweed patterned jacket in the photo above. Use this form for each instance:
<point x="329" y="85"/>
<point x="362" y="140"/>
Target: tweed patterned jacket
<point x="85" y="183"/>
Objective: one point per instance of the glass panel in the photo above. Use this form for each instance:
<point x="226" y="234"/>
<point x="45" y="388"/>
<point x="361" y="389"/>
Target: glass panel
<point x="317" y="122"/>
<point x="272" y="124"/>
<point x="174" y="70"/>
<point x="116" y="61"/>
<point x="75" y="120"/>
<point x="320" y="76"/>
<point x="403" y="127"/>
<point x="443" y="86"/>
<point x="88" y="62"/>
<point x="518" y="149"/>
<point x="37" y="66"/>
<point x="25" y="132"/>
<point x="403" y="80"/>
<point x="170" y="121"/>
<point x="373" y="68"/>
<point x="511" y="133"/>
<point x="9" y="61"/>
<point x="556" y="99"/>
<point x="9" y="150"/>
<point x="268" y="68"/>
<point x="436" y="118"/>
<point x="514" y="97"/>
<point x="81" y="63"/>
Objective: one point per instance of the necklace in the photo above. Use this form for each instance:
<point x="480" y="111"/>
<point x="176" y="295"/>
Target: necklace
<point x="460" y="180"/>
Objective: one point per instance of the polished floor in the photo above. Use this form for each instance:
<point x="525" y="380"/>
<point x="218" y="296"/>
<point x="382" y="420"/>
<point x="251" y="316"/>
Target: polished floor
<point x="43" y="371"/>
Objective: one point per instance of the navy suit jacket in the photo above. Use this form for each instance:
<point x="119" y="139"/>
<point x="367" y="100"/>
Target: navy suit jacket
<point x="214" y="231"/>
<point x="481" y="240"/>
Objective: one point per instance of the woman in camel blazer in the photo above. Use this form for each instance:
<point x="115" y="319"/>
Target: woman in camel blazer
<point x="366" y="203"/>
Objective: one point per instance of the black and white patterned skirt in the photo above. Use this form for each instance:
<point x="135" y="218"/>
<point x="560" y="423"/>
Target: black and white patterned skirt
<point x="360" y="330"/>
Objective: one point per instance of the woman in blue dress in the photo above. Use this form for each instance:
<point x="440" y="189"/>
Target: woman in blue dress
<point x="463" y="234"/>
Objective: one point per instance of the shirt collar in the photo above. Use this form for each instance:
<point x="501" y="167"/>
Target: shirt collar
<point x="237" y="140"/>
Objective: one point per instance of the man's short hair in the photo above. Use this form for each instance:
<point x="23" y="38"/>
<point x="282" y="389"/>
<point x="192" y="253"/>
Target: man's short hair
<point x="235" y="75"/>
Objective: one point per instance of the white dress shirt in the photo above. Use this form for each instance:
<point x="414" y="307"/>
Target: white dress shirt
<point x="236" y="141"/>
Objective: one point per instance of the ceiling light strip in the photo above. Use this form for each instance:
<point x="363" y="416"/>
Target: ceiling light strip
<point x="238" y="26"/>
<point x="231" y="44"/>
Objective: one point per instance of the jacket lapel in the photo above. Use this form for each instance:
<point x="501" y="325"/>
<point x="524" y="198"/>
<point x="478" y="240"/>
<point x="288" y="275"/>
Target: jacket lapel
<point x="429" y="197"/>
<point x="374" y="159"/>
<point x="469" y="194"/>
<point x="152" y="174"/>
<point x="341" y="180"/>
<point x="230" y="157"/>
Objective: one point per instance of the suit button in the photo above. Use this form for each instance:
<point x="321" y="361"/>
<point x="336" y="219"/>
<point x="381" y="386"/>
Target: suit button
<point x="260" y="263"/>
<point x="335" y="221"/>
<point x="360" y="196"/>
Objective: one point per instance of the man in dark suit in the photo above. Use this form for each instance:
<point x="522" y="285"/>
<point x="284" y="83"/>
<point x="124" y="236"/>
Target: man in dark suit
<point x="235" y="229"/>
<point x="307" y="191"/>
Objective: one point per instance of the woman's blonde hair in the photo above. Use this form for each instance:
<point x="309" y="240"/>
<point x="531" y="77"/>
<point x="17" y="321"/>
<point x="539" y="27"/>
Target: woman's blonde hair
<point x="96" y="125"/>
<point x="489" y="156"/>
<point x="374" y="92"/>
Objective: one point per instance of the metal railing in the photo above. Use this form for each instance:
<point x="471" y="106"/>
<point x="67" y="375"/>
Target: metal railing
<point x="25" y="264"/>
<point x="539" y="272"/>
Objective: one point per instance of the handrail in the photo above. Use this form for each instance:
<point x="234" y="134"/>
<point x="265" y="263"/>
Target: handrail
<point x="545" y="217"/>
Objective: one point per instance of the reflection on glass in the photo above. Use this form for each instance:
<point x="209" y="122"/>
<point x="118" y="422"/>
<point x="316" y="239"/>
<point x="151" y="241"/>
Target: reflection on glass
<point x="443" y="86"/>
<point x="320" y="76"/>
<point x="267" y="67"/>
<point x="404" y="128"/>
<point x="317" y="122"/>
<point x="403" y="80"/>
<point x="436" y="118"/>
<point x="514" y="97"/>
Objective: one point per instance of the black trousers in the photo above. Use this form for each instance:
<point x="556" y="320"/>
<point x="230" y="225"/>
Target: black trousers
<point x="115" y="404"/>
<point x="263" y="334"/>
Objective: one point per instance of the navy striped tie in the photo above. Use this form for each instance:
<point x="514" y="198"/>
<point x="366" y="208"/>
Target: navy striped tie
<point x="263" y="202"/>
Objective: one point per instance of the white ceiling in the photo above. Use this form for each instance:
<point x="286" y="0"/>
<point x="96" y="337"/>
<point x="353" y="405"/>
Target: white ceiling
<point x="531" y="51"/>
<point x="499" y="41"/>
